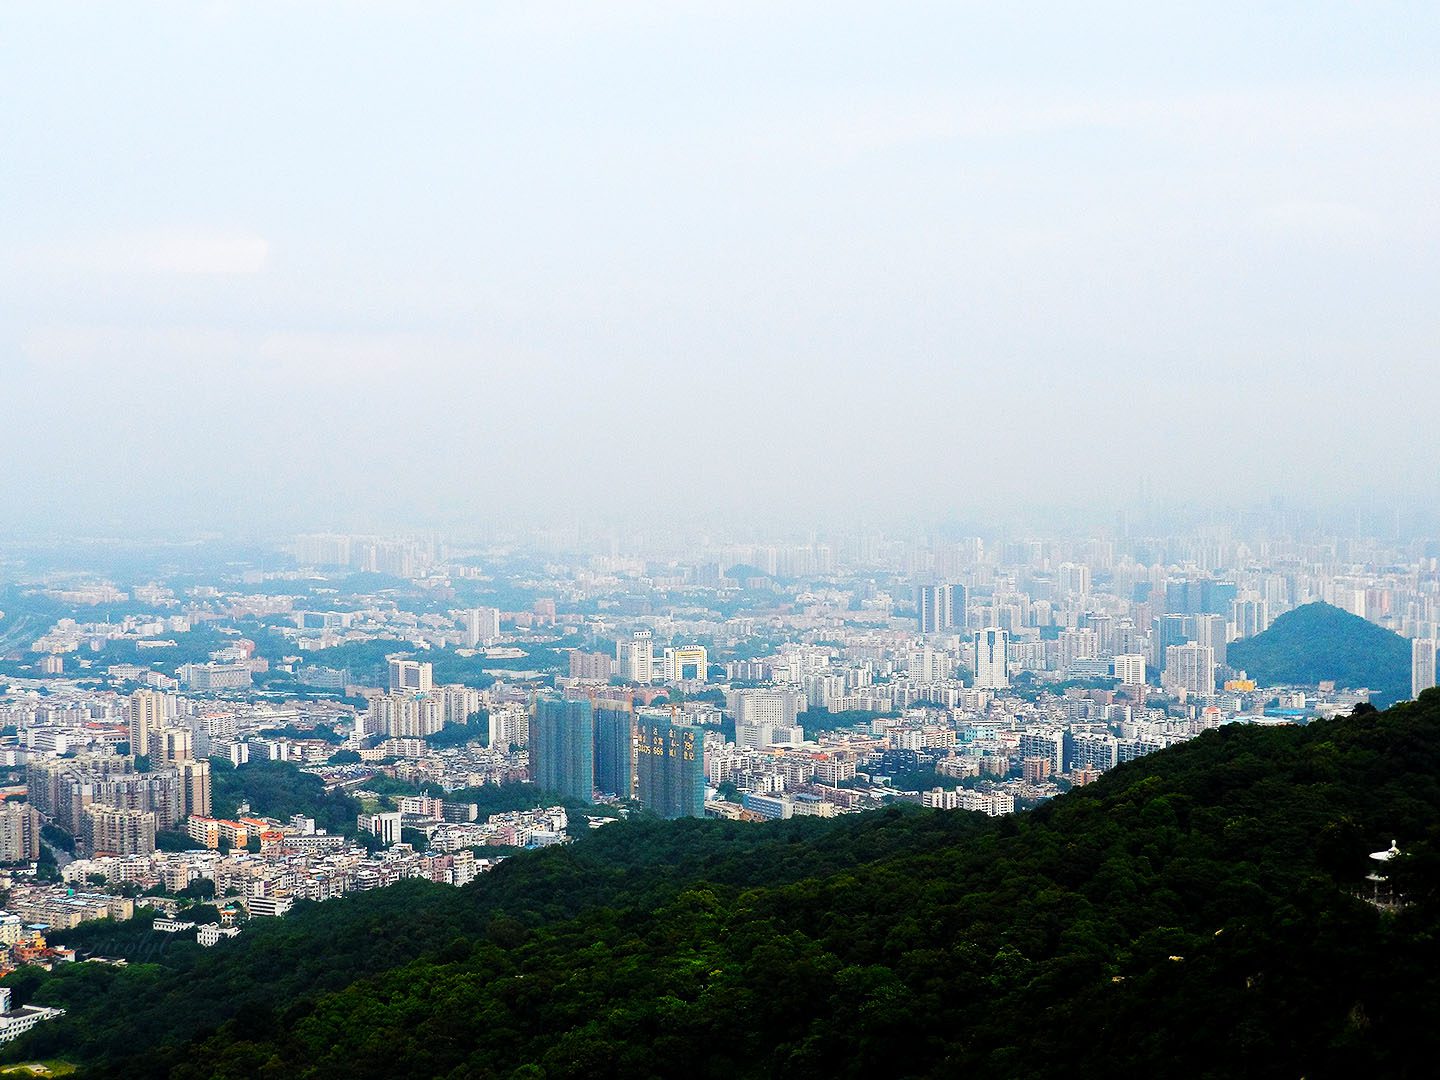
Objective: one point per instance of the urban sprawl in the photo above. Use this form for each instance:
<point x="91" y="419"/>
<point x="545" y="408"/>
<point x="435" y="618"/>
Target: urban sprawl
<point x="748" y="681"/>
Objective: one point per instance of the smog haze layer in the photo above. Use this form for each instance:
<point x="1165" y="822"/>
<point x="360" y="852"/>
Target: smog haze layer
<point x="274" y="265"/>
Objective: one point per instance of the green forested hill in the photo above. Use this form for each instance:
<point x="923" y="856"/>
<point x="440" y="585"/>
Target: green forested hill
<point x="1191" y="914"/>
<point x="1318" y="642"/>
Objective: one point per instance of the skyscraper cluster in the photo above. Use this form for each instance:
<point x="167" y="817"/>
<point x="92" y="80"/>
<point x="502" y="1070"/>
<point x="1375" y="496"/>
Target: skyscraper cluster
<point x="578" y="748"/>
<point x="941" y="607"/>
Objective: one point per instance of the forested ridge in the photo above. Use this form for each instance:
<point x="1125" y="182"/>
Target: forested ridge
<point x="1193" y="913"/>
<point x="1318" y="642"/>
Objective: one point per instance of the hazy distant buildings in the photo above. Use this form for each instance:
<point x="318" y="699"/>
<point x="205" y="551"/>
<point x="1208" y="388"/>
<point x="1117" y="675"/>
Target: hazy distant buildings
<point x="1249" y="617"/>
<point x="1053" y="608"/>
<point x="1189" y="667"/>
<point x="925" y="665"/>
<point x="482" y="627"/>
<point x="941" y="607"/>
<point x="777" y="708"/>
<point x="195" y="788"/>
<point x="687" y="664"/>
<point x="1167" y="630"/>
<point x="1075" y="646"/>
<point x="590" y="667"/>
<point x="992" y="670"/>
<point x="562" y="748"/>
<point x="509" y="726"/>
<point x="1422" y="665"/>
<point x="384" y="826"/>
<point x="118" y="830"/>
<point x="1104" y="628"/>
<point x="148" y="713"/>
<point x="636" y="658"/>
<point x="1074" y="579"/>
<point x="411" y="675"/>
<point x="405" y="715"/>
<point x="215" y="676"/>
<point x="1129" y="668"/>
<point x="1211" y="630"/>
<point x="19" y="832"/>
<point x="670" y="768"/>
<point x="172" y="744"/>
<point x="1199" y="596"/>
<point x="322" y="549"/>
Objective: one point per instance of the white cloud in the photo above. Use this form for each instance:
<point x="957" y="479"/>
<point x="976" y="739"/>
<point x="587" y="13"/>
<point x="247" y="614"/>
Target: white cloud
<point x="1319" y="220"/>
<point x="143" y="352"/>
<point x="353" y="355"/>
<point x="844" y="128"/>
<point x="163" y="251"/>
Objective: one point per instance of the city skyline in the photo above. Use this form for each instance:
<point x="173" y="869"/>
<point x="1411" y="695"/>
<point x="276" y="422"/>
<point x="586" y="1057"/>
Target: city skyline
<point x="719" y="540"/>
<point x="195" y="747"/>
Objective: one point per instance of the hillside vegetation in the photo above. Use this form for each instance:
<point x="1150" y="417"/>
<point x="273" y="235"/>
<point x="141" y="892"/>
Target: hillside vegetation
<point x="279" y="789"/>
<point x="1193" y="913"/>
<point x="1319" y="642"/>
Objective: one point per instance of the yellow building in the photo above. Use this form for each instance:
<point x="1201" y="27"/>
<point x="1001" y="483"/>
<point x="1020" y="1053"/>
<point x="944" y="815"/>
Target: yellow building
<point x="689" y="663"/>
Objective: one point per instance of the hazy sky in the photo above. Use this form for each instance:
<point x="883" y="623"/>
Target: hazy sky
<point x="366" y="262"/>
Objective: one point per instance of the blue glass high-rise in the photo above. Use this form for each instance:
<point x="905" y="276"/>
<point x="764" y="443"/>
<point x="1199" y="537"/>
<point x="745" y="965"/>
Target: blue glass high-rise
<point x="670" y="768"/>
<point x="562" y="748"/>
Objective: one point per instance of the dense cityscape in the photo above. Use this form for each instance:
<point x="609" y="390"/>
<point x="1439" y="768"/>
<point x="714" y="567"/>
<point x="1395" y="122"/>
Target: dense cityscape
<point x="416" y="681"/>
<point x="629" y="541"/>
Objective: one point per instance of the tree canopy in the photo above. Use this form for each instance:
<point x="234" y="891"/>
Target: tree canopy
<point x="1319" y="642"/>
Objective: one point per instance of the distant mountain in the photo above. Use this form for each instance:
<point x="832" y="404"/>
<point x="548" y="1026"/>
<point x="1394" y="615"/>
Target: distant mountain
<point x="1193" y="913"/>
<point x="744" y="572"/>
<point x="1319" y="642"/>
